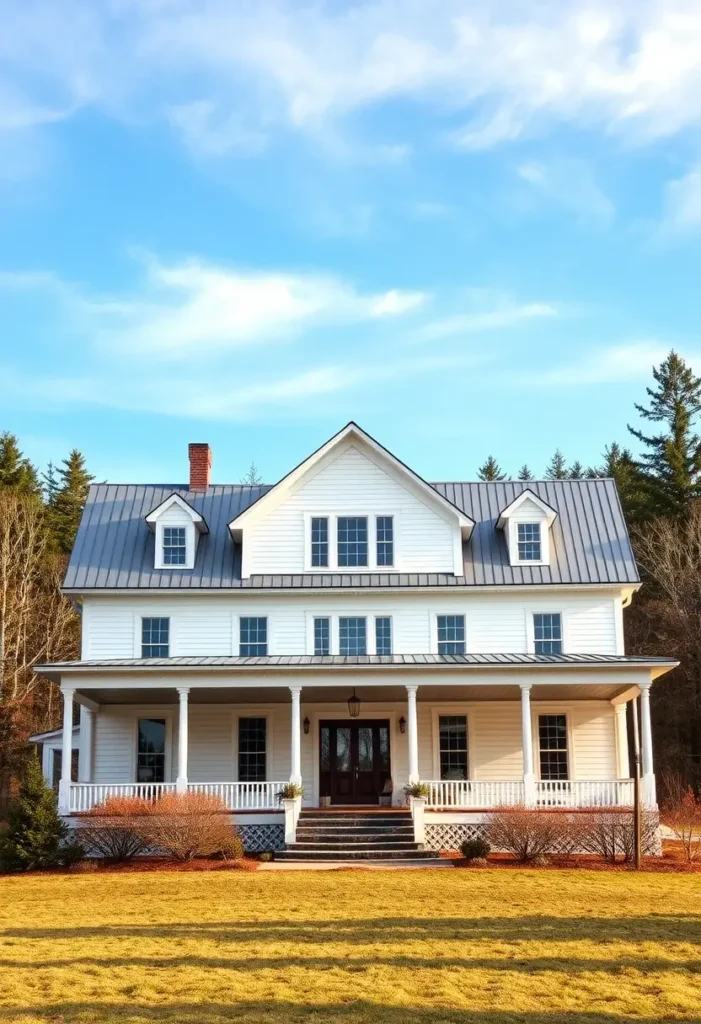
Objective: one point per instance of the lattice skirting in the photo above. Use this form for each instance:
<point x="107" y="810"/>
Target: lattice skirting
<point x="451" y="836"/>
<point x="259" y="838"/>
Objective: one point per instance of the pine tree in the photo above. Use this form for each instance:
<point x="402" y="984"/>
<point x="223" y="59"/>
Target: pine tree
<point x="491" y="470"/>
<point x="252" y="477"/>
<point x="620" y="465"/>
<point x="69" y="499"/>
<point x="524" y="473"/>
<point x="16" y="471"/>
<point x="557" y="467"/>
<point x="576" y="471"/>
<point x="50" y="484"/>
<point x="35" y="832"/>
<point x="671" y="463"/>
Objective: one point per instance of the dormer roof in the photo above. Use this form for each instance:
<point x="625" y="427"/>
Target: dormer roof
<point x="176" y="499"/>
<point x="548" y="511"/>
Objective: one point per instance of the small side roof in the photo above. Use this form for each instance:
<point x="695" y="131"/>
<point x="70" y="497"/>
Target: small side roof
<point x="351" y="432"/>
<point x="176" y="499"/>
<point x="527" y="495"/>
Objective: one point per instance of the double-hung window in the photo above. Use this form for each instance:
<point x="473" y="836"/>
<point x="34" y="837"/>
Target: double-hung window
<point x="384" y="526"/>
<point x="451" y="634"/>
<point x="352" y="636"/>
<point x="352" y="541"/>
<point x="547" y="633"/>
<point x="155" y="638"/>
<point x="552" y="739"/>
<point x="151" y="750"/>
<point x="529" y="545"/>
<point x="252" y="749"/>
<point x="253" y="637"/>
<point x="174" y="545"/>
<point x="452" y="744"/>
<point x="383" y="634"/>
<point x="322" y="636"/>
<point x="320" y="542"/>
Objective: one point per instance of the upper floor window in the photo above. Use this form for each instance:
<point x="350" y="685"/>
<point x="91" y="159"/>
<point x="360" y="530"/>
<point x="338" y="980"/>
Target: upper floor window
<point x="547" y="633"/>
<point x="253" y="637"/>
<point x="352" y="541"/>
<point x="451" y="634"/>
<point x="385" y="540"/>
<point x="552" y="739"/>
<point x="383" y="634"/>
<point x="155" y="638"/>
<point x="529" y="546"/>
<point x="174" y="545"/>
<point x="352" y="636"/>
<point x="322" y="636"/>
<point x="320" y="542"/>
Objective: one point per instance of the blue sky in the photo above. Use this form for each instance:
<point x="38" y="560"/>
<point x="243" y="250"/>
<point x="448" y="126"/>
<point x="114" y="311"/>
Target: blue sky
<point x="472" y="227"/>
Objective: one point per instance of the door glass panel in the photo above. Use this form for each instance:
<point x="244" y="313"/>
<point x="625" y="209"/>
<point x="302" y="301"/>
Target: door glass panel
<point x="325" y="749"/>
<point x="343" y="749"/>
<point x="365" y="754"/>
<point x="384" y="748"/>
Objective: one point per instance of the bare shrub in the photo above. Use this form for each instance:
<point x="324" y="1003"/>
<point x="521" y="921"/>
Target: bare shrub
<point x="187" y="825"/>
<point x="116" y="828"/>
<point x="610" y="833"/>
<point x="681" y="812"/>
<point x="527" y="834"/>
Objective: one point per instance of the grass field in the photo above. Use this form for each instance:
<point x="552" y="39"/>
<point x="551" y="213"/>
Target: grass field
<point x="469" y="947"/>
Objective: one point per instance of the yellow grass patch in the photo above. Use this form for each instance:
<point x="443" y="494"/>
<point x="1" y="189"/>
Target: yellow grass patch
<point x="396" y="947"/>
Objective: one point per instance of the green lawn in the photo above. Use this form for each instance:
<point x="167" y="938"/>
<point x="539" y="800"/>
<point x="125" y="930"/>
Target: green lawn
<point x="395" y="947"/>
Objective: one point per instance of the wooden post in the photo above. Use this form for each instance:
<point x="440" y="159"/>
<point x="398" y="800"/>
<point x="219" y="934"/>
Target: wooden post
<point x="637" y="844"/>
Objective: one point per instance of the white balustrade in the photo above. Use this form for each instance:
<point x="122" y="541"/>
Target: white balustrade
<point x="243" y="796"/>
<point x="85" y="795"/>
<point x="478" y="794"/>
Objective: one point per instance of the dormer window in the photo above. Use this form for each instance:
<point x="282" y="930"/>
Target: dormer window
<point x="529" y="546"/>
<point x="175" y="545"/>
<point x="177" y="527"/>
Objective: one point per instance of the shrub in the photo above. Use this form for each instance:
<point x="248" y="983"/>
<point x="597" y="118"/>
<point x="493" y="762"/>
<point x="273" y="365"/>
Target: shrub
<point x="266" y="856"/>
<point x="115" y="829"/>
<point x="475" y="849"/>
<point x="681" y="813"/>
<point x="610" y="833"/>
<point x="527" y="834"/>
<point x="188" y="825"/>
<point x="36" y="835"/>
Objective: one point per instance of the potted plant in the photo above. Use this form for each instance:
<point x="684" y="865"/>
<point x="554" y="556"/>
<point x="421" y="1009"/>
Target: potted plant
<point x="290" y="791"/>
<point x="417" y="789"/>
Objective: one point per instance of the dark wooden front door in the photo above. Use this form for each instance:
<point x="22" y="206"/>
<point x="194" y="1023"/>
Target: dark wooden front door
<point x="354" y="762"/>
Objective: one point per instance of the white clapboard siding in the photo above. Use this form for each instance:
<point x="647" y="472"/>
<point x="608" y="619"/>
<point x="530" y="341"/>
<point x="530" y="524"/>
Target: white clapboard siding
<point x="352" y="484"/>
<point x="495" y="734"/>
<point x="591" y="627"/>
<point x="594" y="740"/>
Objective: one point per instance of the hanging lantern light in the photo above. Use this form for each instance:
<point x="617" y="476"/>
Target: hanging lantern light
<point x="354" y="705"/>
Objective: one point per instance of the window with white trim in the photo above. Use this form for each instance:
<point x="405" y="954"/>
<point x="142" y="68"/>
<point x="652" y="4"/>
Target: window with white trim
<point x="253" y="636"/>
<point x="451" y="634"/>
<point x="322" y="636"/>
<point x="552" y="743"/>
<point x="352" y="635"/>
<point x="529" y="543"/>
<point x="174" y="545"/>
<point x="320" y="542"/>
<point x="252" y="749"/>
<point x="452" y="745"/>
<point x="155" y="638"/>
<point x="384" y="540"/>
<point x="383" y="634"/>
<point x="352" y="541"/>
<point x="151" y="750"/>
<point x="547" y="633"/>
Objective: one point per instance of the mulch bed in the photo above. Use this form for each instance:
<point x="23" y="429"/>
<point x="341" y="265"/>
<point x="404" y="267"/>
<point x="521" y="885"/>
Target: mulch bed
<point x="672" y="861"/>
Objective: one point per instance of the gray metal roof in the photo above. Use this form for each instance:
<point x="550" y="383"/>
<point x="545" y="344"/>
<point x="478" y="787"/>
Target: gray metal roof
<point x="114" y="548"/>
<point x="337" y="661"/>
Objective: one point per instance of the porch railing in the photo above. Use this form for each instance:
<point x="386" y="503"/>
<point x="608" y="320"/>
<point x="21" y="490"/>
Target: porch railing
<point x="85" y="795"/>
<point x="473" y="794"/>
<point x="243" y="796"/>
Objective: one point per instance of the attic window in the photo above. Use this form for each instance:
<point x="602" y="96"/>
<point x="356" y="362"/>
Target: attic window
<point x="529" y="546"/>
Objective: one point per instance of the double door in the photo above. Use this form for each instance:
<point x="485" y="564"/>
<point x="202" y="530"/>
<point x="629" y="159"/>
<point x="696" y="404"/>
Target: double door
<point x="354" y="760"/>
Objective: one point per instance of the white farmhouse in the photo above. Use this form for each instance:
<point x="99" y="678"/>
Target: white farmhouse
<point x="354" y="629"/>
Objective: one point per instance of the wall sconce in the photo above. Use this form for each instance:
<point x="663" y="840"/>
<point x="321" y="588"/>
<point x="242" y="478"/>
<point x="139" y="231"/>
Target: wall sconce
<point x="306" y="726"/>
<point x="402" y="724"/>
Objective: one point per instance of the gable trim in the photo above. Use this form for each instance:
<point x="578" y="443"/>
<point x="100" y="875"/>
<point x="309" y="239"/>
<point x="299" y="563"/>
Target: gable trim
<point x="175" y="499"/>
<point x="527" y="495"/>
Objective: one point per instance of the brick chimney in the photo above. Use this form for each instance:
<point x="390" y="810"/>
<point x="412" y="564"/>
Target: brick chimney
<point x="200" y="456"/>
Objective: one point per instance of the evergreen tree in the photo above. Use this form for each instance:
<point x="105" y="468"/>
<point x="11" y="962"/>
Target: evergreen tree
<point x="16" y="471"/>
<point x="252" y="477"/>
<point x="576" y="471"/>
<point x="557" y="467"/>
<point x="524" y="473"/>
<point x="671" y="461"/>
<point x="35" y="832"/>
<point x="50" y="484"/>
<point x="490" y="470"/>
<point x="620" y="465"/>
<point x="69" y="499"/>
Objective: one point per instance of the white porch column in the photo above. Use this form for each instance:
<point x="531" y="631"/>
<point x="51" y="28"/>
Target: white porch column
<point x="646" y="746"/>
<point x="622" y="758"/>
<point x="85" y="755"/>
<point x="64" y="786"/>
<point x="296" y="737"/>
<point x="412" y="733"/>
<point x="529" y="788"/>
<point x="183" y="722"/>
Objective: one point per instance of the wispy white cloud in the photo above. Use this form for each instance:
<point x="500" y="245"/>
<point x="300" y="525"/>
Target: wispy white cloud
<point x="569" y="184"/>
<point x="502" y="314"/>
<point x="682" y="211"/>
<point x="612" y="365"/>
